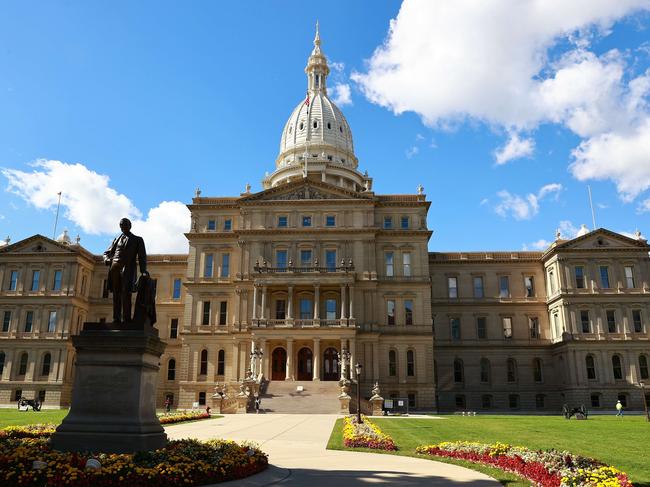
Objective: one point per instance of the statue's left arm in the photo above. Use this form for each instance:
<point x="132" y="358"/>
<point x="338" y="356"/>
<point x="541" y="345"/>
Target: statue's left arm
<point x="142" y="257"/>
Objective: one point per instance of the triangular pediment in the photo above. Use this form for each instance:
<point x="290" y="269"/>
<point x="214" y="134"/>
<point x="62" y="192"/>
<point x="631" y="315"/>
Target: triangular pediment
<point x="602" y="239"/>
<point x="38" y="244"/>
<point x="306" y="190"/>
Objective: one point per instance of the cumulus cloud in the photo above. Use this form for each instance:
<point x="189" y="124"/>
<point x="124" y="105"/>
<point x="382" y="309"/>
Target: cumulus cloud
<point x="540" y="244"/>
<point x="412" y="151"/>
<point x="644" y="206"/>
<point x="567" y="229"/>
<point x="88" y="201"/>
<point x="342" y="94"/>
<point x="524" y="207"/>
<point x="515" y="148"/>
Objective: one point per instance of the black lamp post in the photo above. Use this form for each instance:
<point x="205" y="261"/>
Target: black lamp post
<point x="357" y="369"/>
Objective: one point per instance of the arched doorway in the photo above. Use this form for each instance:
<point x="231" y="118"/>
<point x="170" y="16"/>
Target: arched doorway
<point x="331" y="364"/>
<point x="305" y="361"/>
<point x="279" y="364"/>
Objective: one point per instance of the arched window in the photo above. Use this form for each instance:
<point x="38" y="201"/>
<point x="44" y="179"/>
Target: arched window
<point x="2" y="363"/>
<point x="590" y="363"/>
<point x="22" y="367"/>
<point x="203" y="370"/>
<point x="459" y="373"/>
<point x="315" y="124"/>
<point x="537" y="370"/>
<point x="171" y="369"/>
<point x="511" y="370"/>
<point x="221" y="362"/>
<point x="410" y="363"/>
<point x="485" y="370"/>
<point x="392" y="363"/>
<point x="617" y="367"/>
<point x="643" y="366"/>
<point x="329" y="126"/>
<point x="302" y="125"/>
<point x="47" y="363"/>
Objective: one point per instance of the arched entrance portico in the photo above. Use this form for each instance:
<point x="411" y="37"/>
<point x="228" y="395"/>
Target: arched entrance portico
<point x="330" y="364"/>
<point x="305" y="361"/>
<point x="279" y="364"/>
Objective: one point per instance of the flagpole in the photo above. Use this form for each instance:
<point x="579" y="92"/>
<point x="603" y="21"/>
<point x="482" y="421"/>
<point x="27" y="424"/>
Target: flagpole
<point x="591" y="204"/>
<point x="56" y="220"/>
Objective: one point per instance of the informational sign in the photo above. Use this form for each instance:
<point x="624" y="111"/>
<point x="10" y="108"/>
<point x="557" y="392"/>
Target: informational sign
<point x="400" y="404"/>
<point x="195" y="405"/>
<point x="388" y="403"/>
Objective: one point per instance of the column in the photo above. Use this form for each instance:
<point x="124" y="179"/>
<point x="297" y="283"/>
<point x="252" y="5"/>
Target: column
<point x="353" y="357"/>
<point x="9" y="358"/>
<point x="265" y="358"/>
<point x="254" y="302"/>
<point x="605" y="368"/>
<point x="316" y="359"/>
<point x="401" y="363"/>
<point x="375" y="361"/>
<point x="316" y="304"/>
<point x="342" y="364"/>
<point x="263" y="312"/>
<point x="343" y="308"/>
<point x="290" y="305"/>
<point x="351" y="299"/>
<point x="289" y="370"/>
<point x="235" y="361"/>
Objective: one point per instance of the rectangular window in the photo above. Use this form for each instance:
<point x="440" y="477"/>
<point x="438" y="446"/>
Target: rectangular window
<point x="513" y="401"/>
<point x="636" y="319"/>
<point x="176" y="289"/>
<point x="507" y="327"/>
<point x="604" y="277"/>
<point x="330" y="221"/>
<point x="306" y="221"/>
<point x="404" y="222"/>
<point x="281" y="259"/>
<point x="406" y="263"/>
<point x="388" y="222"/>
<point x="13" y="280"/>
<point x="29" y="321"/>
<point x="212" y="224"/>
<point x="173" y="328"/>
<point x="533" y="323"/>
<point x="452" y="287"/>
<point x="223" y="312"/>
<point x="551" y="282"/>
<point x="388" y="258"/>
<point x="595" y="400"/>
<point x="330" y="309"/>
<point x="305" y="258"/>
<point x="227" y="224"/>
<point x="36" y="276"/>
<point x="208" y="265"/>
<point x="629" y="277"/>
<point x="478" y="287"/>
<point x="390" y="311"/>
<point x="6" y="321"/>
<point x="51" y="322"/>
<point x="201" y="398"/>
<point x="504" y="287"/>
<point x="481" y="327"/>
<point x="280" y="309"/>
<point x="305" y="309"/>
<point x="408" y="311"/>
<point x="225" y="265"/>
<point x="611" y="321"/>
<point x="529" y="284"/>
<point x="330" y="260"/>
<point x="282" y="221"/>
<point x="556" y="322"/>
<point x="455" y="328"/>
<point x="56" y="284"/>
<point x="539" y="401"/>
<point x="580" y="277"/>
<point x="411" y="400"/>
<point x="486" y="401"/>
<point x="205" y="315"/>
<point x="584" y="321"/>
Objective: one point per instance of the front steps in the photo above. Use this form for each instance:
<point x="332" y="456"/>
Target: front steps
<point x="318" y="397"/>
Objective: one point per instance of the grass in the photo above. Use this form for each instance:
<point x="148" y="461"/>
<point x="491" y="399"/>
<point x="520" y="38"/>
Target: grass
<point x="623" y="443"/>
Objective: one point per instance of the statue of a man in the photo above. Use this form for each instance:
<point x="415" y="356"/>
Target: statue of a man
<point x="121" y="259"/>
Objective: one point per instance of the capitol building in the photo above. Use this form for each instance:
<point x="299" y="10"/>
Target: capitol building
<point x="317" y="263"/>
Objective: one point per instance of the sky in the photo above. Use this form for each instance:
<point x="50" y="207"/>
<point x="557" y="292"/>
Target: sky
<point x="504" y="110"/>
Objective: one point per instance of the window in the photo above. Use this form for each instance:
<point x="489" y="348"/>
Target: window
<point x="455" y="328"/>
<point x="171" y="369"/>
<point x="6" y="321"/>
<point x="529" y="284"/>
<point x="205" y="315"/>
<point x="404" y="222"/>
<point x="481" y="327"/>
<point x="452" y="286"/>
<point x="29" y="321"/>
<point x="281" y="259"/>
<point x="459" y="373"/>
<point x="629" y="277"/>
<point x="411" y="400"/>
<point x="390" y="312"/>
<point x="460" y="401"/>
<point x="513" y="401"/>
<point x="537" y="370"/>
<point x="305" y="258"/>
<point x="212" y="224"/>
<point x="280" y="309"/>
<point x="221" y="362"/>
<point x="478" y="287"/>
<point x="533" y="324"/>
<point x="611" y="321"/>
<point x="539" y="401"/>
<point x="330" y="260"/>
<point x="305" y="309"/>
<point x="406" y="264"/>
<point x="392" y="363"/>
<point x="225" y="265"/>
<point x="227" y="224"/>
<point x="203" y="365"/>
<point x="604" y="277"/>
<point x="408" y="311"/>
<point x="486" y="401"/>
<point x="507" y="327"/>
<point x="13" y="280"/>
<point x="51" y="322"/>
<point x="580" y="277"/>
<point x="223" y="313"/>
<point x="330" y="221"/>
<point x="2" y="363"/>
<point x="636" y="320"/>
<point x="56" y="284"/>
<point x="410" y="363"/>
<point x="208" y="264"/>
<point x="173" y="328"/>
<point x="282" y="221"/>
<point x="47" y="364"/>
<point x="330" y="309"/>
<point x="388" y="222"/>
<point x="590" y="365"/>
<point x="504" y="287"/>
<point x="617" y="367"/>
<point x="202" y="398"/>
<point x="485" y="370"/>
<point x="595" y="400"/>
<point x="643" y="367"/>
<point x="556" y="323"/>
<point x="585" y="322"/>
<point x="36" y="276"/>
<point x="22" y="366"/>
<point x="83" y="285"/>
<point x="176" y="289"/>
<point x="388" y="258"/>
<point x="306" y="221"/>
<point x="511" y="370"/>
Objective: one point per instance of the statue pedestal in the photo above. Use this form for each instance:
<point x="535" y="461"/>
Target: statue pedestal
<point x="344" y="401"/>
<point x="377" y="403"/>
<point x="113" y="406"/>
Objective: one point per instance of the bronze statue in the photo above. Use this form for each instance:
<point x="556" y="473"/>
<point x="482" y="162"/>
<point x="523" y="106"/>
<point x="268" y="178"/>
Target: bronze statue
<point x="121" y="259"/>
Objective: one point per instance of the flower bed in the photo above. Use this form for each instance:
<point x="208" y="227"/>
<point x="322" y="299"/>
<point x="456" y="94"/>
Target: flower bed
<point x="179" y="417"/>
<point x="365" y="435"/>
<point x="548" y="468"/>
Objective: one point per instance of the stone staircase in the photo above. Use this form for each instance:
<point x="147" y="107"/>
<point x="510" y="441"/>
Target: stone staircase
<point x="315" y="398"/>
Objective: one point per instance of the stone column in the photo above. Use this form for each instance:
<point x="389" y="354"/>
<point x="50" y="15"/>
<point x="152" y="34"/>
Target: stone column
<point x="316" y="375"/>
<point x="401" y="363"/>
<point x="351" y="299"/>
<point x="316" y="304"/>
<point x="290" y="305"/>
<point x="265" y="358"/>
<point x="235" y="361"/>
<point x="289" y="370"/>
<point x="353" y="358"/>
<point x="375" y="361"/>
<point x="263" y="312"/>
<point x="6" y="373"/>
<point x="343" y="307"/>
<point x="255" y="302"/>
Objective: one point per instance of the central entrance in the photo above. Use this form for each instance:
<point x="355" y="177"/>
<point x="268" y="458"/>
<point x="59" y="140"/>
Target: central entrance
<point x="330" y="364"/>
<point x="305" y="361"/>
<point x="279" y="364"/>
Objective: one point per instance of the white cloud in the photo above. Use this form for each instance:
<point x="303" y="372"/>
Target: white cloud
<point x="524" y="207"/>
<point x="567" y="229"/>
<point x="88" y="201"/>
<point x="412" y="151"/>
<point x="515" y="148"/>
<point x="339" y="67"/>
<point x="540" y="244"/>
<point x="342" y="94"/>
<point x="644" y="206"/>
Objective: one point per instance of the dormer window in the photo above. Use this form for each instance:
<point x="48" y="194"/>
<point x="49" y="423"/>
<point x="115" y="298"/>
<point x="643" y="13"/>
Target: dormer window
<point x="315" y="124"/>
<point x="316" y="82"/>
<point x="329" y="158"/>
<point x="340" y="129"/>
<point x="329" y="126"/>
<point x="302" y="125"/>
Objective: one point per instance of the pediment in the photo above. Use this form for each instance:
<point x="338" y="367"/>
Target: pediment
<point x="602" y="239"/>
<point x="37" y="244"/>
<point x="305" y="190"/>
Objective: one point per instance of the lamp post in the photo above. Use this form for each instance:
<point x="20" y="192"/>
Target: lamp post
<point x="357" y="369"/>
<point x="645" y="401"/>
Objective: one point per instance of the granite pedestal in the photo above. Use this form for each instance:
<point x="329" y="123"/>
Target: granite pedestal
<point x="113" y="406"/>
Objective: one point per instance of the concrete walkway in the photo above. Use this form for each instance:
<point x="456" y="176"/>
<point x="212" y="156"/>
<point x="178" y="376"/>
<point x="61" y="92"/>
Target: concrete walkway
<point x="296" y="445"/>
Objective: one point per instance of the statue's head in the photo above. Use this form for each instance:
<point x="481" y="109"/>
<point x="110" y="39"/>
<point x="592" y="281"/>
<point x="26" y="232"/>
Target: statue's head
<point x="125" y="225"/>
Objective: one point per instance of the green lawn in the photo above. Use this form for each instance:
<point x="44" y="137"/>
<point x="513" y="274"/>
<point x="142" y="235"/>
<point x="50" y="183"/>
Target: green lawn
<point x="623" y="443"/>
<point x="14" y="417"/>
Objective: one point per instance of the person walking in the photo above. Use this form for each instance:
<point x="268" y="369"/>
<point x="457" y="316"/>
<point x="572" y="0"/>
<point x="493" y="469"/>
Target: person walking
<point x="257" y="404"/>
<point x="168" y="405"/>
<point x="619" y="408"/>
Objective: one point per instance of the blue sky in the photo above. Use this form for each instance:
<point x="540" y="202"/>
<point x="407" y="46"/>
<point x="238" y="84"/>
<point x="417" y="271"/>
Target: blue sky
<point x="504" y="113"/>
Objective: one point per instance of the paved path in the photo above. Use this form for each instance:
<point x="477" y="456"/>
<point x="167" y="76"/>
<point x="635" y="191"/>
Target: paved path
<point x="296" y="445"/>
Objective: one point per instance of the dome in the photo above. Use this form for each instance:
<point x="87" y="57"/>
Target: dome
<point x="64" y="238"/>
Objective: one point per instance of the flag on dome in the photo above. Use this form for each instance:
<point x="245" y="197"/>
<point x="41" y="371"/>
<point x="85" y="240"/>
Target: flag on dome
<point x="307" y="99"/>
